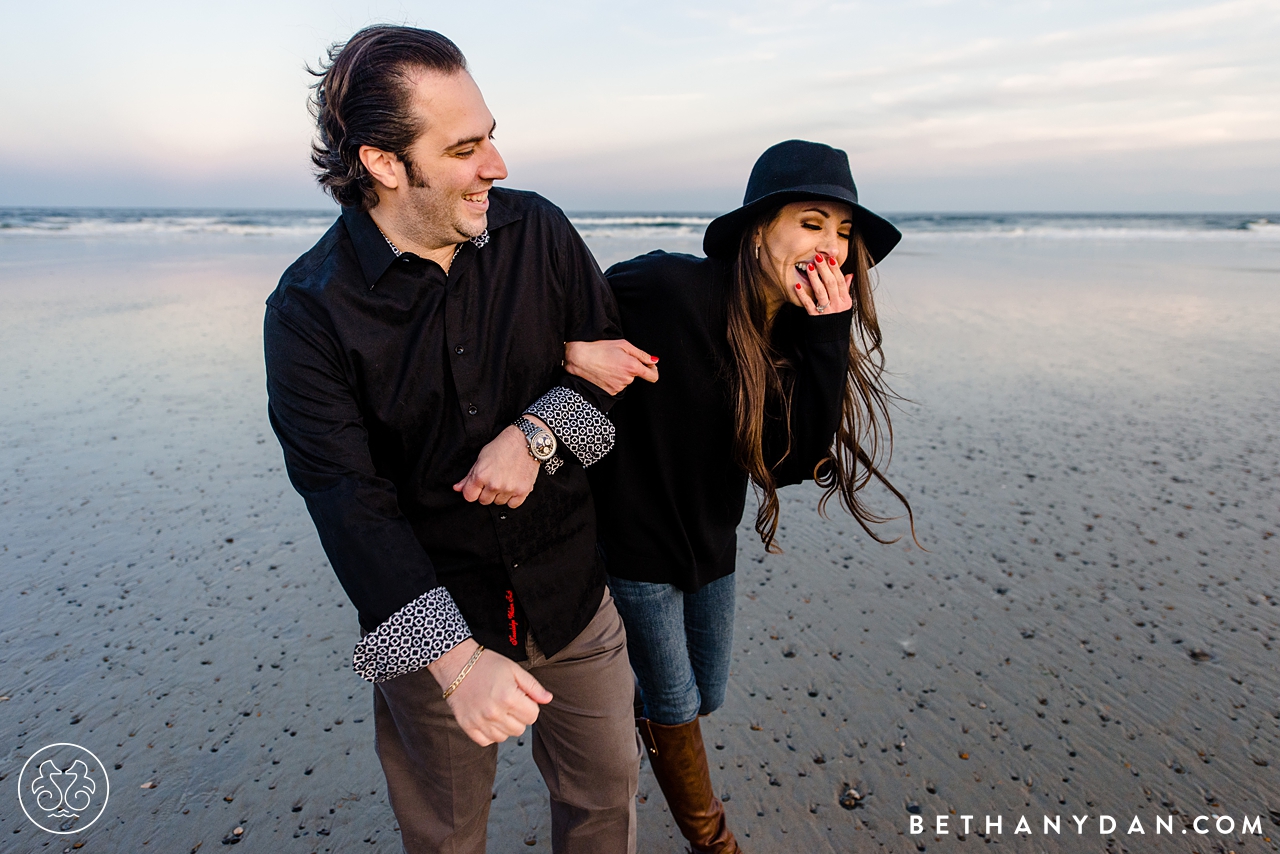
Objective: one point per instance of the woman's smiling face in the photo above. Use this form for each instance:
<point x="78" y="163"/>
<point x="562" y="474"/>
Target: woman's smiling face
<point x="800" y="232"/>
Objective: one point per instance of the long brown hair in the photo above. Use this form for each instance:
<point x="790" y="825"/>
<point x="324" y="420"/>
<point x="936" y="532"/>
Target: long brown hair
<point x="762" y="389"/>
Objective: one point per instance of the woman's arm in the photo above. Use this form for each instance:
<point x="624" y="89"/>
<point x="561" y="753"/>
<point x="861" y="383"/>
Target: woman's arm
<point x="822" y="364"/>
<point x="611" y="365"/>
<point x="817" y="397"/>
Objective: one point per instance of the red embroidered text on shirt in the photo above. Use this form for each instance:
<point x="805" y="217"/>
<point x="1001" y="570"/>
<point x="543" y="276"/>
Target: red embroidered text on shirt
<point x="511" y="615"/>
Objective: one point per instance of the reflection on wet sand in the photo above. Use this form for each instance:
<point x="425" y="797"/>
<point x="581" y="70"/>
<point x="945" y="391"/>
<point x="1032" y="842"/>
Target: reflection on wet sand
<point x="1089" y="445"/>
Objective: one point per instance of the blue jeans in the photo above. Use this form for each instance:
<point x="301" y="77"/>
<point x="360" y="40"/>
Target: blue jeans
<point x="679" y="644"/>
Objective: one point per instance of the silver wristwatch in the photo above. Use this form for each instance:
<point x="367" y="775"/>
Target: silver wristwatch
<point x="542" y="444"/>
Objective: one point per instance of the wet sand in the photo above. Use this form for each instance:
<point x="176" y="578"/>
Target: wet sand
<point x="1091" y="449"/>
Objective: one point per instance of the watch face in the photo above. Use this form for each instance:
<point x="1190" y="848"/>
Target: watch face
<point x="543" y="444"/>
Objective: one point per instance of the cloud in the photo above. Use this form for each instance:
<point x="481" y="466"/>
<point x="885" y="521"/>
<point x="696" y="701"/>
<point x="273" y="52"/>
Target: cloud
<point x="654" y="101"/>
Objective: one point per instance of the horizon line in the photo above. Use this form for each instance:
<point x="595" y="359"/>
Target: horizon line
<point x="333" y="209"/>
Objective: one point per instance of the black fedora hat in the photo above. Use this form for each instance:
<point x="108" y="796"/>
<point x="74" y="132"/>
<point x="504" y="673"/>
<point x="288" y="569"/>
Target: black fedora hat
<point x="794" y="171"/>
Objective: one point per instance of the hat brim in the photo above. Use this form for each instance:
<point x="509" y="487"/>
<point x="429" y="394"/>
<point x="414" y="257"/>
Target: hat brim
<point x="724" y="232"/>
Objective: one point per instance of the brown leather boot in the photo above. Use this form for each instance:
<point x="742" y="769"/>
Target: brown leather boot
<point x="679" y="761"/>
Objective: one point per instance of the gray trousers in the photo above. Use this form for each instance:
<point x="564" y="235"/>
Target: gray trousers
<point x="440" y="782"/>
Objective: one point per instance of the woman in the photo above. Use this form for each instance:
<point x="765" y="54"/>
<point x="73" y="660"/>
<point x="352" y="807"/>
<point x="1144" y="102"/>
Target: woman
<point x="771" y="372"/>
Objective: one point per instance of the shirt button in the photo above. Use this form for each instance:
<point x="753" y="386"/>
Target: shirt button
<point x="502" y="516"/>
<point x="458" y="350"/>
<point x="515" y="566"/>
<point x="471" y="410"/>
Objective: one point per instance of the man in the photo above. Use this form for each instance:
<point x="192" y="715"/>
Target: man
<point x="413" y="369"/>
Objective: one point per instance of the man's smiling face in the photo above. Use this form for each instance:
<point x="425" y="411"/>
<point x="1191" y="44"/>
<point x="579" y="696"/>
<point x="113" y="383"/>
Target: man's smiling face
<point x="453" y="162"/>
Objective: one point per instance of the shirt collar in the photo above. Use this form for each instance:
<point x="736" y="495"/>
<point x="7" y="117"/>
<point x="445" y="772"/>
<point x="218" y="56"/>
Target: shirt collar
<point x="373" y="249"/>
<point x="500" y="213"/>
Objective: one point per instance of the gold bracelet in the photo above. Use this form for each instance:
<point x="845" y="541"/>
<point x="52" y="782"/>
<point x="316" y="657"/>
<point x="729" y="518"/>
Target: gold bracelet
<point x="462" y="674"/>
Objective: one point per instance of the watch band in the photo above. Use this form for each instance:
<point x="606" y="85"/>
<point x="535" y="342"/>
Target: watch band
<point x="529" y="429"/>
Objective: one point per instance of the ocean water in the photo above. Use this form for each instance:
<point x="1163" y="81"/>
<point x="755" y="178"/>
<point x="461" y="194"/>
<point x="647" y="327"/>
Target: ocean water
<point x="1087" y="437"/>
<point x="657" y="228"/>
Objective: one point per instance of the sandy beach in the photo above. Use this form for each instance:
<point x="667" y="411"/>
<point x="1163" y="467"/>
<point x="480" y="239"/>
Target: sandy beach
<point x="1089" y="441"/>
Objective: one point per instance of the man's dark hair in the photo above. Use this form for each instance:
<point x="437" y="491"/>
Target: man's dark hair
<point x="363" y="97"/>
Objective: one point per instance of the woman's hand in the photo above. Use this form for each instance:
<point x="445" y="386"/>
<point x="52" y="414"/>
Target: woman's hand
<point x="612" y="365"/>
<point x="828" y="291"/>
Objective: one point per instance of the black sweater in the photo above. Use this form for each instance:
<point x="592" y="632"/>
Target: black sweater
<point x="669" y="497"/>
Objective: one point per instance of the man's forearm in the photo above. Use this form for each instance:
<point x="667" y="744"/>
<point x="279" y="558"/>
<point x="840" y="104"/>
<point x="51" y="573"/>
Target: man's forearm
<point x="579" y="427"/>
<point x="447" y="667"/>
<point x="416" y="636"/>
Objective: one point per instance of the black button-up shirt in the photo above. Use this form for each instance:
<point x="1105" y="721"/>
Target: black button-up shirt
<point x="387" y="376"/>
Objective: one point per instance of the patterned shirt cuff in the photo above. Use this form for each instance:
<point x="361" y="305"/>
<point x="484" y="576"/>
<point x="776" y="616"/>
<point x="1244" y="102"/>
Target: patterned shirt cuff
<point x="579" y="426"/>
<point x="411" y="638"/>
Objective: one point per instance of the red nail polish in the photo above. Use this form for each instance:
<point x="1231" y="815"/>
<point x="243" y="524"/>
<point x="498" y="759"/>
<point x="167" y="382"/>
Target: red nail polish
<point x="811" y="268"/>
<point x="653" y="358"/>
<point x="798" y="285"/>
<point x="832" y="259"/>
<point x="818" y="257"/>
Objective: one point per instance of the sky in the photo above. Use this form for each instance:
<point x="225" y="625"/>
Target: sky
<point x="942" y="105"/>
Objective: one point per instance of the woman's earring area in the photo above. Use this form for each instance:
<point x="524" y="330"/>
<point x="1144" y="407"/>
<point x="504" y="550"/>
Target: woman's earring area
<point x="757" y="251"/>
